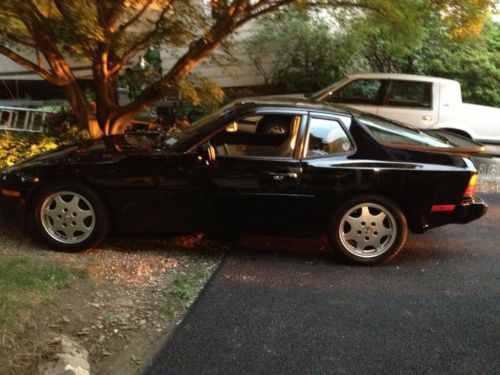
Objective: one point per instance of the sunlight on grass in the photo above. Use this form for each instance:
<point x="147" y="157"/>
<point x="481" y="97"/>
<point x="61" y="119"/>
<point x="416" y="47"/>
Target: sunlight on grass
<point x="25" y="283"/>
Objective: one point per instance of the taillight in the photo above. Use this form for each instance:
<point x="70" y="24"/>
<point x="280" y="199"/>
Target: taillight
<point x="471" y="188"/>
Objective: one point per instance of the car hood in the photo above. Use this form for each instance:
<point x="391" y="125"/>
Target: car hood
<point x="103" y="149"/>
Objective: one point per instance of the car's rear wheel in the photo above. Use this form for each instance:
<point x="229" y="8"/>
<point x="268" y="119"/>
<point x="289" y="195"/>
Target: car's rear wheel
<point x="368" y="229"/>
<point x="70" y="217"/>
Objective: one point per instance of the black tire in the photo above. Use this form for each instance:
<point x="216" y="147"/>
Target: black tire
<point x="358" y="232"/>
<point x="70" y="217"/>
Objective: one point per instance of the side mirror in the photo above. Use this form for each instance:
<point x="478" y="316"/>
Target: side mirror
<point x="335" y="96"/>
<point x="205" y="153"/>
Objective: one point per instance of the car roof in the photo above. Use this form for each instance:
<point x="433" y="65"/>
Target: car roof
<point x="289" y="103"/>
<point x="397" y="76"/>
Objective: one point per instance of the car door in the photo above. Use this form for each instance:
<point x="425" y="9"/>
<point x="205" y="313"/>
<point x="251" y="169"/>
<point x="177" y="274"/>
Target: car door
<point x="253" y="181"/>
<point x="327" y="147"/>
<point x="410" y="102"/>
<point x="176" y="206"/>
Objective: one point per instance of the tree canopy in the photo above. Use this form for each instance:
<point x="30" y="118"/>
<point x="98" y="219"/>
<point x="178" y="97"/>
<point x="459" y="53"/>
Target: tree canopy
<point x="442" y="50"/>
<point x="418" y="37"/>
<point x="46" y="36"/>
<point x="109" y="35"/>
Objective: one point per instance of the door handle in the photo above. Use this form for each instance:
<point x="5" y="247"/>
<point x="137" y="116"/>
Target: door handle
<point x="282" y="176"/>
<point x="427" y="118"/>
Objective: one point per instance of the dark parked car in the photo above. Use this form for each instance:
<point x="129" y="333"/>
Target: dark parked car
<point x="256" y="165"/>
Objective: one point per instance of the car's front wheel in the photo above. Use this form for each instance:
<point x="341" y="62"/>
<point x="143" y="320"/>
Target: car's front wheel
<point x="368" y="229"/>
<point x="70" y="217"/>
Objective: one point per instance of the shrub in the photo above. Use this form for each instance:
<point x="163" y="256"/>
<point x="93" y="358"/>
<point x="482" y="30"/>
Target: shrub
<point x="63" y="126"/>
<point x="60" y="129"/>
<point x="15" y="147"/>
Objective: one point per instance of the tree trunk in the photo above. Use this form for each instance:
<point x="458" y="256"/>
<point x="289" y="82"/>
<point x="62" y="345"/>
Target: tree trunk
<point x="81" y="107"/>
<point x="93" y="127"/>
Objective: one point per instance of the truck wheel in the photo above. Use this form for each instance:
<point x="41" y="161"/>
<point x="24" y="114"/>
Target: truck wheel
<point x="368" y="229"/>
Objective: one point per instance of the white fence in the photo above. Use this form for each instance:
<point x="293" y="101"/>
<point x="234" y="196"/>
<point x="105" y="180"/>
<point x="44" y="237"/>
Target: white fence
<point x="22" y="119"/>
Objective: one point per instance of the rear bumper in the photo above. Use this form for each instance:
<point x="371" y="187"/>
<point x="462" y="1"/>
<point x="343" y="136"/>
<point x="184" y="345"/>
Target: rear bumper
<point x="468" y="210"/>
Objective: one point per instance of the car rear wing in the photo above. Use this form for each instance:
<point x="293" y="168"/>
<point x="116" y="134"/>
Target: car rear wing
<point x="461" y="144"/>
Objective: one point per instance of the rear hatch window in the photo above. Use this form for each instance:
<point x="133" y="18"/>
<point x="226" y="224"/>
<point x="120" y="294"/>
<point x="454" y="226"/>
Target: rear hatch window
<point x="393" y="134"/>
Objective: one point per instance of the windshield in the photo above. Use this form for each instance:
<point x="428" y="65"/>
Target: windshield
<point x="386" y="131"/>
<point x="318" y="95"/>
<point x="179" y="140"/>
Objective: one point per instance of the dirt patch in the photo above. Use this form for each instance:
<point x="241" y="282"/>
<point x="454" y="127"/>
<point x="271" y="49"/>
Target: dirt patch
<point x="136" y="292"/>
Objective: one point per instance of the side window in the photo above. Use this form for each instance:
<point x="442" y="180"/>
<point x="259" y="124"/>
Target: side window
<point x="271" y="135"/>
<point x="326" y="137"/>
<point x="409" y="94"/>
<point x="361" y="91"/>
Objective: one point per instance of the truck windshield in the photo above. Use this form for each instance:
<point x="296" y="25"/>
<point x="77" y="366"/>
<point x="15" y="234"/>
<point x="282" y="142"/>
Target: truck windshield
<point x="386" y="131"/>
<point x="319" y="95"/>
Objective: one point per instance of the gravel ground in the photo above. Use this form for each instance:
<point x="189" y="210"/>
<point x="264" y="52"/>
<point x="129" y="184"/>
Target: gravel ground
<point x="120" y="312"/>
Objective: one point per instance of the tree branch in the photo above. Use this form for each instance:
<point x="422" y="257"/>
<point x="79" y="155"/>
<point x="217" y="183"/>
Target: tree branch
<point x="145" y="40"/>
<point x="60" y="7"/>
<point x="67" y="16"/>
<point x="109" y="17"/>
<point x="45" y="74"/>
<point x="18" y="40"/>
<point x="135" y="18"/>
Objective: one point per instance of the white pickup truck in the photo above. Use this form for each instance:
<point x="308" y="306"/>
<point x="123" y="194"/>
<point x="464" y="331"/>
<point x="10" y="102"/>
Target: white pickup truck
<point x="420" y="101"/>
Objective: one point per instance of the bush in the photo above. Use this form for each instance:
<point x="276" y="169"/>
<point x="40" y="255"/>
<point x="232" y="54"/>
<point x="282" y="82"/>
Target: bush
<point x="61" y="128"/>
<point x="15" y="147"/>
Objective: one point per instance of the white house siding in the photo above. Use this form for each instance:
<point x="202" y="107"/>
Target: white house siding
<point x="9" y="70"/>
<point x="242" y="73"/>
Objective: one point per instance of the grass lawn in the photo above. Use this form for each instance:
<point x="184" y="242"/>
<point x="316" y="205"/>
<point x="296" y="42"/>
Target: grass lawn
<point x="25" y="283"/>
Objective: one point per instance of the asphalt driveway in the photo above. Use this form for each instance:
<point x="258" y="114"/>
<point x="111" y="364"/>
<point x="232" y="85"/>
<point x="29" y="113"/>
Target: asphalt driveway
<point x="434" y="309"/>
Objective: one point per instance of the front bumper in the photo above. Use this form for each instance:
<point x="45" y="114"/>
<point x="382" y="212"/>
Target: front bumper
<point x="12" y="208"/>
<point x="468" y="210"/>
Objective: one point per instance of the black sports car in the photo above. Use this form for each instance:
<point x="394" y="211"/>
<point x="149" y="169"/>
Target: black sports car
<point x="256" y="165"/>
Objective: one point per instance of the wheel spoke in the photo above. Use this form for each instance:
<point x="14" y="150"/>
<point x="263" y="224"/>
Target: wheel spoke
<point x="48" y="209"/>
<point x="353" y="236"/>
<point x="385" y="232"/>
<point x="379" y="219"/>
<point x="57" y="226"/>
<point x="353" y="221"/>
<point x="365" y="213"/>
<point x="81" y="226"/>
<point x="60" y="203"/>
<point x="72" y="205"/>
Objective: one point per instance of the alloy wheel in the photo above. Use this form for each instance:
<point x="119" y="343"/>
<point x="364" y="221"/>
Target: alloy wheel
<point x="68" y="217"/>
<point x="368" y="230"/>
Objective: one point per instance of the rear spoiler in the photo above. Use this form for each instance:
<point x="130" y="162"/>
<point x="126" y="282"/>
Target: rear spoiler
<point x="461" y="146"/>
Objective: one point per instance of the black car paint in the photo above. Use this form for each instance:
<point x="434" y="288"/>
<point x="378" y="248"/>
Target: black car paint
<point x="149" y="189"/>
